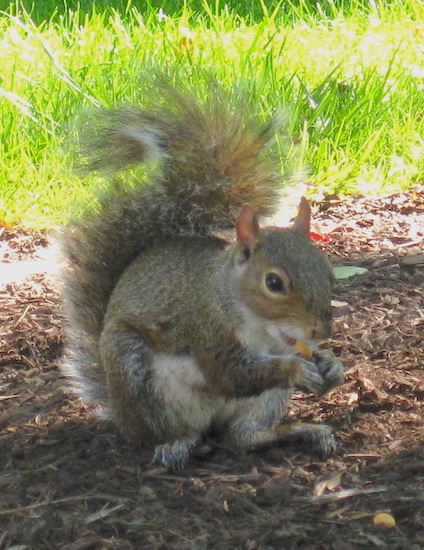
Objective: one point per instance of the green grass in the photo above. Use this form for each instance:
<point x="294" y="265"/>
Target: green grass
<point x="350" y="74"/>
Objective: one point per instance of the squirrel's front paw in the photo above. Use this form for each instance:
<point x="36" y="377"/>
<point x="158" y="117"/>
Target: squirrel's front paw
<point x="174" y="456"/>
<point x="322" y="373"/>
<point x="330" y="368"/>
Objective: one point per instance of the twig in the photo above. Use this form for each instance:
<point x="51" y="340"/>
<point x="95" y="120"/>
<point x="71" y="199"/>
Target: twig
<point x="347" y="493"/>
<point x="21" y="509"/>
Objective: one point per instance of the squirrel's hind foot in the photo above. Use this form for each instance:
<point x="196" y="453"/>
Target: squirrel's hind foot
<point x="320" y="439"/>
<point x="174" y="456"/>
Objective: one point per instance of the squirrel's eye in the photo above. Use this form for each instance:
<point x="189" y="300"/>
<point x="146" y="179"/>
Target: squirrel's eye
<point x="274" y="282"/>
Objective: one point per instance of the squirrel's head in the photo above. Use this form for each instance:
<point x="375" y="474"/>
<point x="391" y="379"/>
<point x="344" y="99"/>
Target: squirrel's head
<point x="283" y="280"/>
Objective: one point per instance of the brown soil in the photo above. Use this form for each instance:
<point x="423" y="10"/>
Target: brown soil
<point x="69" y="481"/>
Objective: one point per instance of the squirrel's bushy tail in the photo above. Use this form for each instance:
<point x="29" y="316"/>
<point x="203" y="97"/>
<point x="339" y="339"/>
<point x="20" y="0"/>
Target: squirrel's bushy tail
<point x="211" y="155"/>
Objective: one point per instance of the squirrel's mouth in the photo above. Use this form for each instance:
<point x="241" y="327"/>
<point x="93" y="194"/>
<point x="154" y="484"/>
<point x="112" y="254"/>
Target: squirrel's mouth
<point x="300" y="347"/>
<point x="287" y="339"/>
<point x="284" y="338"/>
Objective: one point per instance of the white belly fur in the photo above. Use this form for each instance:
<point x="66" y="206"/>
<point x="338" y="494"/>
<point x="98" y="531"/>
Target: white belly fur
<point x="182" y="387"/>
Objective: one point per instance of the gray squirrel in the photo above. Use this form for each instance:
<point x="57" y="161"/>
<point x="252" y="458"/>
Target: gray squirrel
<point x="170" y="330"/>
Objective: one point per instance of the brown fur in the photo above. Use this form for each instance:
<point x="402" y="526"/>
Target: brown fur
<point x="168" y="328"/>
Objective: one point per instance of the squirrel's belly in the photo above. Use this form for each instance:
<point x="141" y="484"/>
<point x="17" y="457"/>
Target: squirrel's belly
<point x="188" y="403"/>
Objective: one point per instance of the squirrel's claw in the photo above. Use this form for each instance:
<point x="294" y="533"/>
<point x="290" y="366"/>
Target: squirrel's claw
<point x="321" y="440"/>
<point x="174" y="456"/>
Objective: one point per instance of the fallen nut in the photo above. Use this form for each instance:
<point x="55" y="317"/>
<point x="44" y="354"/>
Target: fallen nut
<point x="385" y="520"/>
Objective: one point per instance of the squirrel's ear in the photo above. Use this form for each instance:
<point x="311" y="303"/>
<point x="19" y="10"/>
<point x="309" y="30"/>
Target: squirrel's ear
<point x="302" y="222"/>
<point x="247" y="229"/>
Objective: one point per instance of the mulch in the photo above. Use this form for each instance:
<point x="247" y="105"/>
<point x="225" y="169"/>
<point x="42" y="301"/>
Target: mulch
<point x="69" y="481"/>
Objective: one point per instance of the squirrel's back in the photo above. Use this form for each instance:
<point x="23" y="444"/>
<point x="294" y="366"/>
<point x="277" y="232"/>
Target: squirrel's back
<point x="210" y="153"/>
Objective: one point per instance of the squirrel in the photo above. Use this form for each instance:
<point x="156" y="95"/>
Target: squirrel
<point x="171" y="331"/>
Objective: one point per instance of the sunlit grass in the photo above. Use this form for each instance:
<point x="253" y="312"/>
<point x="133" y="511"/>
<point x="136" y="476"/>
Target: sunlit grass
<point x="351" y="78"/>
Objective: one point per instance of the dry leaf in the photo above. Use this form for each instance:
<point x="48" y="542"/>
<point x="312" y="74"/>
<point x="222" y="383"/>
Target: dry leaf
<point x="327" y="483"/>
<point x="317" y="235"/>
<point x="346" y="271"/>
<point x="5" y="224"/>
